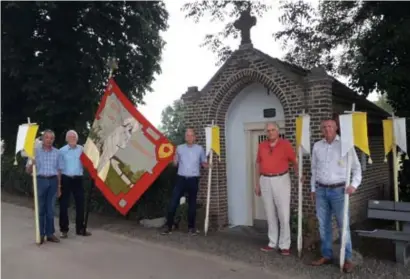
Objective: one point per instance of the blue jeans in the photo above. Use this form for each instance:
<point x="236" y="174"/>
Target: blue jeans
<point x="47" y="193"/>
<point x="330" y="202"/>
<point x="190" y="186"/>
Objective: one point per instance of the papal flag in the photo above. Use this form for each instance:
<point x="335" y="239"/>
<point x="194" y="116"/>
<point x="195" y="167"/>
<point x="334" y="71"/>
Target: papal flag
<point x="353" y="130"/>
<point x="394" y="132"/>
<point x="26" y="137"/>
<point x="212" y="140"/>
<point x="303" y="133"/>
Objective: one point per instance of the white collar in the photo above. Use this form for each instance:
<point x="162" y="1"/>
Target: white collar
<point x="337" y="138"/>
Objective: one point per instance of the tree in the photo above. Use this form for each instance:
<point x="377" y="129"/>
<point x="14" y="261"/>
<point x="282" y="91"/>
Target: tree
<point x="172" y="122"/>
<point x="54" y="57"/>
<point x="365" y="41"/>
<point x="383" y="103"/>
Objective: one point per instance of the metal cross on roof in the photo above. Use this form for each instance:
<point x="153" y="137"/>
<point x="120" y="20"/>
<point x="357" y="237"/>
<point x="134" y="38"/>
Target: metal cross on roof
<point x="244" y="24"/>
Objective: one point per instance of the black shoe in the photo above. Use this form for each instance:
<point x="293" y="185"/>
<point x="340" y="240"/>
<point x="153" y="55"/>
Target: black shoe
<point x="63" y="235"/>
<point x="167" y="231"/>
<point x="84" y="233"/>
<point x="42" y="239"/>
<point x="193" y="232"/>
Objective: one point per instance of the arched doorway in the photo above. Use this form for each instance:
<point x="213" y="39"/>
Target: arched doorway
<point x="244" y="124"/>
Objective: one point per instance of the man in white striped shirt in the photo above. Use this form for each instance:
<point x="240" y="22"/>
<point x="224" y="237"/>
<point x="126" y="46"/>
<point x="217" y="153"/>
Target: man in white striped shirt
<point x="328" y="188"/>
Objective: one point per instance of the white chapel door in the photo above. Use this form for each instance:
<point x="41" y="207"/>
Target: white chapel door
<point x="258" y="208"/>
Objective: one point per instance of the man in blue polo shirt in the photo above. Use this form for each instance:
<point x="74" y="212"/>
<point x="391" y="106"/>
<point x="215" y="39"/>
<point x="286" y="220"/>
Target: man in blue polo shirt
<point x="189" y="158"/>
<point x="72" y="182"/>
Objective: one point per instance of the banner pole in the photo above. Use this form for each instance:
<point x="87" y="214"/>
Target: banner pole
<point x="300" y="200"/>
<point x="87" y="210"/>
<point x="208" y="195"/>
<point x="35" y="194"/>
<point x="395" y="170"/>
<point x="300" y="197"/>
<point x="112" y="63"/>
<point x="346" y="205"/>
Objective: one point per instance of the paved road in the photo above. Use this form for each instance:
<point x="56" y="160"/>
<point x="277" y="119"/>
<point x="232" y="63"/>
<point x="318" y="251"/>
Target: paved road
<point x="104" y="256"/>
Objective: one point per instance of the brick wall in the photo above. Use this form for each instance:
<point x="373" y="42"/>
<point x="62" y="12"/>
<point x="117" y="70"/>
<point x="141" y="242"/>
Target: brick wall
<point x="246" y="66"/>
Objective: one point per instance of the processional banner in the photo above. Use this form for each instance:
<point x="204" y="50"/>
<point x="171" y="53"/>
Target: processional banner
<point x="124" y="153"/>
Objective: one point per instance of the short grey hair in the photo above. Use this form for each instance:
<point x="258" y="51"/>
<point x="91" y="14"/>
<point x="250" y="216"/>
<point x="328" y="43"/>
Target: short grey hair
<point x="71" y="132"/>
<point x="273" y="124"/>
<point x="47" y="131"/>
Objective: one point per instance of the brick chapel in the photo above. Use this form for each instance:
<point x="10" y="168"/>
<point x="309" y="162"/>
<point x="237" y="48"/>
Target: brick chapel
<point x="252" y="88"/>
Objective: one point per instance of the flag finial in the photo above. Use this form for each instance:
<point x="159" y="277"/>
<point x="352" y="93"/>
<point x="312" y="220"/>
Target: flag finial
<point x="112" y="65"/>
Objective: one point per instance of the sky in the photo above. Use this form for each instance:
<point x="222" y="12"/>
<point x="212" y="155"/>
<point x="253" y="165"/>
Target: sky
<point x="185" y="63"/>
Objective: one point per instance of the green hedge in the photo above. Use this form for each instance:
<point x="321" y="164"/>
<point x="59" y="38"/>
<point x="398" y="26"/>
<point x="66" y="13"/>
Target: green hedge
<point x="152" y="204"/>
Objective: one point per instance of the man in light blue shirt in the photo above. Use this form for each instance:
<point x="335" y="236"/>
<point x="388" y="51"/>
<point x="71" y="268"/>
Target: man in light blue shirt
<point x="71" y="182"/>
<point x="189" y="158"/>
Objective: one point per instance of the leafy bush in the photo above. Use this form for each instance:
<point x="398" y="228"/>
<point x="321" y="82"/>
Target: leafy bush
<point x="152" y="204"/>
<point x="14" y="179"/>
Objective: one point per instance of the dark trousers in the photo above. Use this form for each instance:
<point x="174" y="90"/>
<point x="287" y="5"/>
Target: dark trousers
<point x="72" y="185"/>
<point x="184" y="185"/>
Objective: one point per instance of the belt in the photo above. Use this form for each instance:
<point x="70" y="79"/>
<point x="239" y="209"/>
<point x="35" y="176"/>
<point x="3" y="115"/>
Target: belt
<point x="73" y="176"/>
<point x="274" y="174"/>
<point x="47" y="177"/>
<point x="336" y="185"/>
<point x="188" y="177"/>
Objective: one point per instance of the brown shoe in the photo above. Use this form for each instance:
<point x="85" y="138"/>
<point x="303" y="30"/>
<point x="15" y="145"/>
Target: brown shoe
<point x="285" y="252"/>
<point x="348" y="267"/>
<point x="321" y="261"/>
<point x="53" y="238"/>
<point x="268" y="249"/>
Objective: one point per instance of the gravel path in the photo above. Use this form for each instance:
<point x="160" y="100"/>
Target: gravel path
<point x="238" y="247"/>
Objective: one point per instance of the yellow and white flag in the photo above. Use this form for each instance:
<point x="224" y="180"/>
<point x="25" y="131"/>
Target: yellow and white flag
<point x="303" y="133"/>
<point x="26" y="137"/>
<point x="353" y="132"/>
<point x="394" y="132"/>
<point x="212" y="140"/>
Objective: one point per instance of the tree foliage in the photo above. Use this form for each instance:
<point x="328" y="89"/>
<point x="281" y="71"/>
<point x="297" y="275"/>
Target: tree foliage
<point x="172" y="122"/>
<point x="384" y="103"/>
<point x="367" y="41"/>
<point x="54" y="59"/>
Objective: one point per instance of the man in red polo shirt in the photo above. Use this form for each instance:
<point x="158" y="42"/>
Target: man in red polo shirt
<point x="273" y="183"/>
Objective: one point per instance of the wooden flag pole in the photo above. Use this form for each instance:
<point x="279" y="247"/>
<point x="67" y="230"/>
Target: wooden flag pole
<point x="395" y="170"/>
<point x="113" y="65"/>
<point x="35" y="194"/>
<point x="208" y="195"/>
<point x="300" y="198"/>
<point x="346" y="204"/>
